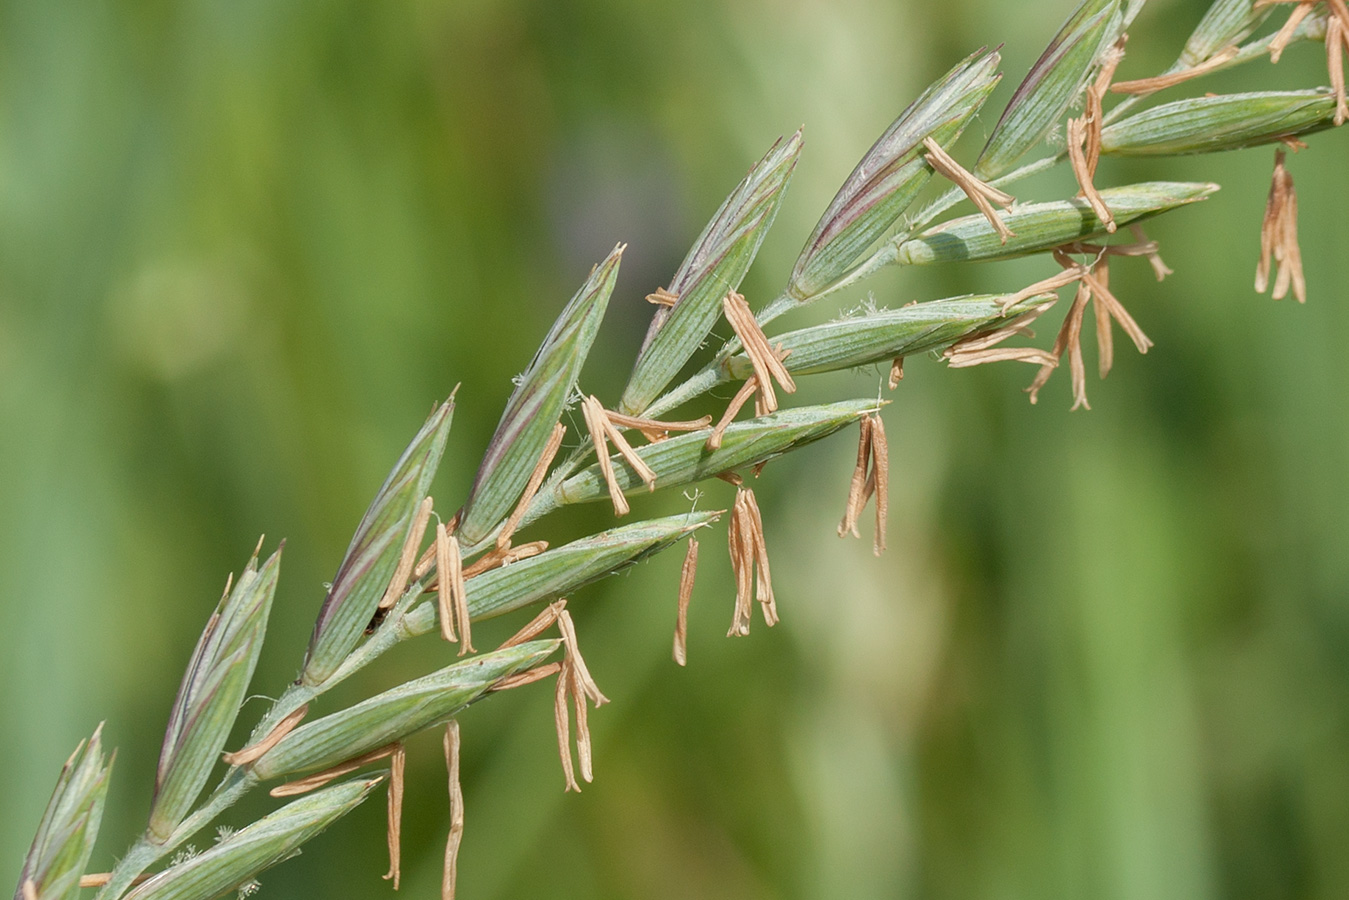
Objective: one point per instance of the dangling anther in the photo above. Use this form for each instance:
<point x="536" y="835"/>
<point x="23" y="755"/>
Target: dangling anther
<point x="686" y="576"/>
<point x="408" y="558"/>
<point x="979" y="192"/>
<point x="766" y="361"/>
<point x="456" y="811"/>
<point x="398" y="765"/>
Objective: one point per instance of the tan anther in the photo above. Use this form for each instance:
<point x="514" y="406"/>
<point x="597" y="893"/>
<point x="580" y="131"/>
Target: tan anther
<point x="428" y="559"/>
<point x="1285" y="35"/>
<point x="686" y="576"/>
<point x="535" y="479"/>
<point x="1278" y="236"/>
<point x="594" y="419"/>
<point x="1082" y="169"/>
<point x="662" y="297"/>
<point x="1098" y="280"/>
<point x="1068" y="337"/>
<point x="731" y="478"/>
<point x="655" y="430"/>
<point x="562" y="720"/>
<point x="93" y="880"/>
<point x="449" y="569"/>
<point x="586" y="684"/>
<point x="1094" y="114"/>
<point x="456" y="811"/>
<point x="1337" y="38"/>
<point x="1149" y="248"/>
<point x="879" y="481"/>
<point x="746" y="541"/>
<point x="766" y="360"/>
<point x="495" y="559"/>
<point x="733" y="408"/>
<point x="1144" y="86"/>
<point x="763" y="579"/>
<point x="1105" y="334"/>
<point x="639" y="466"/>
<point x="319" y="779"/>
<point x="964" y="351"/>
<point x="537" y="626"/>
<point x="30" y="889"/>
<point x="397" y="767"/>
<point x="529" y="676"/>
<point x="1053" y="283"/>
<point x="1030" y="355"/>
<point x="408" y="558"/>
<point x="979" y="192"/>
<point x="254" y="752"/>
<point x="896" y="372"/>
<point x="853" y="509"/>
<point x="584" y="753"/>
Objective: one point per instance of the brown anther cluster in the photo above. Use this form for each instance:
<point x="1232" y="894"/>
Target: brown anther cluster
<point x="1093" y="284"/>
<point x="983" y="346"/>
<point x="686" y="576"/>
<point x="749" y="562"/>
<point x="1084" y="135"/>
<point x="451" y="592"/>
<point x="870" y="476"/>
<point x="981" y="194"/>
<point x="1278" y="236"/>
<point x="766" y="359"/>
<point x="601" y="429"/>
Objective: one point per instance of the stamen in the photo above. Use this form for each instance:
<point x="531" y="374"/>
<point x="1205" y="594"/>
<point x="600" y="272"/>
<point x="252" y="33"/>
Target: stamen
<point x="1337" y="37"/>
<point x="1102" y="295"/>
<point x="742" y="561"/>
<point x="535" y="479"/>
<point x="1278" y="236"/>
<point x="563" y="722"/>
<point x="594" y="418"/>
<point x="662" y="297"/>
<point x="1159" y="268"/>
<point x="1052" y="283"/>
<point x="979" y="192"/>
<point x="537" y="626"/>
<point x="1285" y="35"/>
<point x="459" y="592"/>
<point x="97" y="879"/>
<point x="1077" y="138"/>
<point x="254" y="752"/>
<point x="763" y="582"/>
<point x="495" y="559"/>
<point x="880" y="467"/>
<point x="456" y="811"/>
<point x="397" y="767"/>
<point x="983" y="340"/>
<point x="529" y="676"/>
<point x="1033" y="355"/>
<point x="408" y="558"/>
<point x="732" y="410"/>
<point x="446" y="570"/>
<point x="655" y="430"/>
<point x="429" y="557"/>
<point x="319" y="779"/>
<point x="644" y="472"/>
<point x="582" y="673"/>
<point x="1144" y="86"/>
<point x="1105" y="335"/>
<point x="30" y="889"/>
<point x="584" y="753"/>
<point x="686" y="576"/>
<point x="853" y="508"/>
<point x="1076" y="366"/>
<point x="896" y="372"/>
<point x="766" y="361"/>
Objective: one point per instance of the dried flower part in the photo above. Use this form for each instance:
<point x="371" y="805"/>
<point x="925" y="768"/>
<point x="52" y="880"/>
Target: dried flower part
<point x="393" y="715"/>
<point x="535" y="479"/>
<point x="715" y="264"/>
<point x="891" y="175"/>
<point x="408" y="557"/>
<point x="981" y="194"/>
<point x="562" y="722"/>
<point x="237" y="859"/>
<point x="537" y="626"/>
<point x="1227" y="23"/>
<point x="374" y="553"/>
<point x="1219" y="122"/>
<point x="621" y="444"/>
<point x="686" y="576"/>
<point x="527" y="424"/>
<point x="853" y="508"/>
<point x="662" y="297"/>
<point x="654" y="429"/>
<point x="896" y="372"/>
<point x="397" y="769"/>
<point x="538" y="673"/>
<point x="1285" y="35"/>
<point x="449" y="568"/>
<point x="1052" y="84"/>
<point x="765" y="360"/>
<point x="1041" y="227"/>
<point x="1337" y="39"/>
<point x="1141" y="87"/>
<point x="1148" y="248"/>
<point x="255" y="751"/>
<point x="585" y="754"/>
<point x="562" y="570"/>
<point x="594" y="419"/>
<point x="1278" y="237"/>
<point x="456" y="811"/>
<point x="332" y="773"/>
<point x="65" y="837"/>
<point x="581" y="672"/>
<point x="213" y="688"/>
<point x="733" y="408"/>
<point x="1083" y="170"/>
<point x="749" y="551"/>
<point x="685" y="459"/>
<point x="496" y="559"/>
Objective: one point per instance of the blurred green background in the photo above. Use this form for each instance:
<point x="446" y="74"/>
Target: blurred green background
<point x="245" y="246"/>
